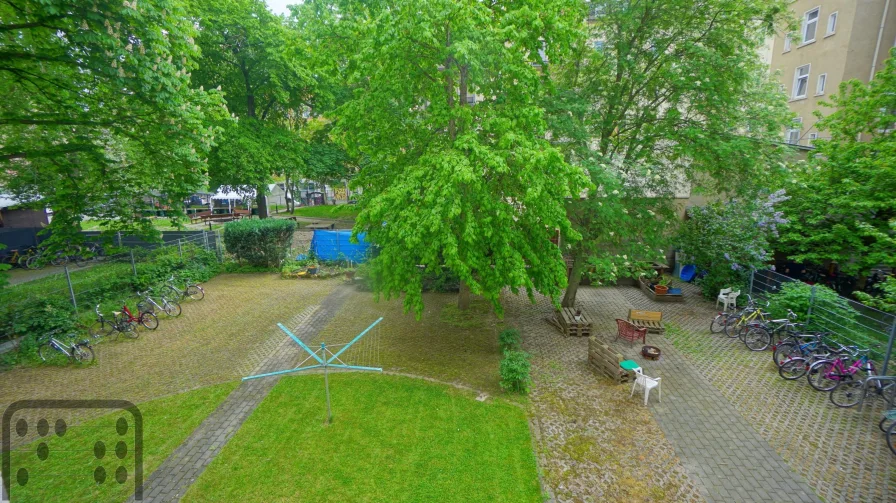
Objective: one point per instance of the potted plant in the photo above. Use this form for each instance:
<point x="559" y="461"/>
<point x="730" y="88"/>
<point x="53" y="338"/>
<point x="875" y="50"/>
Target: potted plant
<point x="312" y="267"/>
<point x="662" y="286"/>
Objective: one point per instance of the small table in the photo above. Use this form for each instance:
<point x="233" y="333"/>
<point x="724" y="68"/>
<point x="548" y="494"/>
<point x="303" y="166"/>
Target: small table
<point x="581" y="327"/>
<point x="630" y="365"/>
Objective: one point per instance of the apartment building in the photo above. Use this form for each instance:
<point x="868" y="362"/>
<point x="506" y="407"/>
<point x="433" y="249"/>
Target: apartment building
<point x="837" y="40"/>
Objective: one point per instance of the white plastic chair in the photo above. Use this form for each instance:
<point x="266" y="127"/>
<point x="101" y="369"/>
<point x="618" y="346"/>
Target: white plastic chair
<point x="731" y="301"/>
<point x="723" y="296"/>
<point x="647" y="383"/>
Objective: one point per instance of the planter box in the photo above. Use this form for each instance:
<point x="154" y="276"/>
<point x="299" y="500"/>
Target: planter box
<point x="669" y="297"/>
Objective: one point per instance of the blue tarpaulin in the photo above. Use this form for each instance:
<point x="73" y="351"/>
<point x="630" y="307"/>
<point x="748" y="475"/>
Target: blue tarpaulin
<point x="335" y="245"/>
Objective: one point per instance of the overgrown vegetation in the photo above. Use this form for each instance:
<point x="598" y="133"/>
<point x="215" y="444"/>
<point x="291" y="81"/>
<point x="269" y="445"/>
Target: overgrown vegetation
<point x="515" y="371"/>
<point x="509" y="339"/>
<point x="261" y="243"/>
<point x="33" y="309"/>
<point x="340" y="211"/>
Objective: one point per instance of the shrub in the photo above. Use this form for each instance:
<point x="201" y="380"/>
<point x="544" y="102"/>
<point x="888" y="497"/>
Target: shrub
<point x="34" y="321"/>
<point x="509" y="340"/>
<point x="797" y="296"/>
<point x="515" y="369"/>
<point x="262" y="243"/>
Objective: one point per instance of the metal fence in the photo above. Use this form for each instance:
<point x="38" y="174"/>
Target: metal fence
<point x="848" y="321"/>
<point x="104" y="279"/>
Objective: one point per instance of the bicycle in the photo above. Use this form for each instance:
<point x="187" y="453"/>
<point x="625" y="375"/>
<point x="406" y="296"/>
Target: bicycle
<point x="90" y="253"/>
<point x="825" y="374"/>
<point x="891" y="438"/>
<point x="759" y="336"/>
<point x="191" y="290"/>
<point x="795" y="367"/>
<point x="145" y="318"/>
<point x="148" y="304"/>
<point x="747" y="316"/>
<point x="101" y="327"/>
<point x="15" y="258"/>
<point x="52" y="350"/>
<point x="791" y="347"/>
<point x="850" y="391"/>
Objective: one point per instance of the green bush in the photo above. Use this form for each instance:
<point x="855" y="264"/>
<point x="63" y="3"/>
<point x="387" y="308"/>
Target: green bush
<point x="721" y="276"/>
<point x="441" y="280"/>
<point x="515" y="369"/>
<point x="509" y="339"/>
<point x="34" y="321"/>
<point x="262" y="243"/>
<point x="797" y="296"/>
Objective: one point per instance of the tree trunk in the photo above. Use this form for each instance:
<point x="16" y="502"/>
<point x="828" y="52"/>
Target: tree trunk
<point x="261" y="200"/>
<point x="463" y="297"/>
<point x="575" y="277"/>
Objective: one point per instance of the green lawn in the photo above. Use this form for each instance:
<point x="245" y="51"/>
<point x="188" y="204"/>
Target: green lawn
<point x="67" y="474"/>
<point x="393" y="439"/>
<point x="328" y="211"/>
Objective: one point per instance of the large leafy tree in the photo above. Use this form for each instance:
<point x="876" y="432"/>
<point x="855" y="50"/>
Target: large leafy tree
<point x="471" y="187"/>
<point x="97" y="110"/>
<point x="843" y="208"/>
<point x="259" y="63"/>
<point x="657" y="96"/>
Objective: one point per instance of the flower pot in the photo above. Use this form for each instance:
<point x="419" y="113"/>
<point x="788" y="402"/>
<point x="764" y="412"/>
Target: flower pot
<point x="661" y="290"/>
<point x="349" y="275"/>
<point x="312" y="270"/>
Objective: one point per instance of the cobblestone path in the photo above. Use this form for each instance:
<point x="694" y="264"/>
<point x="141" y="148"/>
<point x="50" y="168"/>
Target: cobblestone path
<point x="839" y="452"/>
<point x="171" y="480"/>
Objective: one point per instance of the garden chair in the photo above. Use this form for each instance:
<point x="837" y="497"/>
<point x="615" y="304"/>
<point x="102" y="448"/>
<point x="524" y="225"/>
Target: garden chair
<point x="630" y="332"/>
<point x="647" y="383"/>
<point x="731" y="301"/>
<point x="723" y="296"/>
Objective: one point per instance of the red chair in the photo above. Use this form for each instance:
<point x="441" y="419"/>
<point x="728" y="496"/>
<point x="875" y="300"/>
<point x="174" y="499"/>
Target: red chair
<point x="630" y="332"/>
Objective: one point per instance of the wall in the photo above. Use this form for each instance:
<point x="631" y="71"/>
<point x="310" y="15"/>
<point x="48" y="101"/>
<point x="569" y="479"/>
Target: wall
<point x="17" y="219"/>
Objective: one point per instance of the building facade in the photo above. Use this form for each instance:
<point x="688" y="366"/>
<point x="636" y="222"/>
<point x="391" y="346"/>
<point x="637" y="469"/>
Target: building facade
<point x="837" y="40"/>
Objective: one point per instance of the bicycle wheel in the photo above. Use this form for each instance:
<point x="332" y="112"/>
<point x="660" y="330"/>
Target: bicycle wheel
<point x="172" y="292"/>
<point x="793" y="369"/>
<point x="149" y="321"/>
<point x="83" y="353"/>
<point x="52" y="355"/>
<point x="847" y="393"/>
<point x="33" y="262"/>
<point x="195" y="292"/>
<point x="891" y="437"/>
<point x="101" y="328"/>
<point x="782" y="352"/>
<point x="718" y="323"/>
<point x="885" y="423"/>
<point x="732" y="324"/>
<point x="128" y="329"/>
<point x="757" y="339"/>
<point x="821" y="376"/>
<point x="23" y="261"/>
<point x="171" y="308"/>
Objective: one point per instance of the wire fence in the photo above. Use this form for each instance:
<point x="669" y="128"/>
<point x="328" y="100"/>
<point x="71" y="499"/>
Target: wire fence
<point x="103" y="280"/>
<point x="849" y="322"/>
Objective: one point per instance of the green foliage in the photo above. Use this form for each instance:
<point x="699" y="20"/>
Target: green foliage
<point x="797" y="296"/>
<point x="727" y="240"/>
<point x="103" y="112"/>
<point x="474" y="187"/>
<point x="328" y="211"/>
<point x="440" y="279"/>
<point x="843" y="207"/>
<point x="675" y="95"/>
<point x="36" y="320"/>
<point x="515" y="369"/>
<point x="263" y="243"/>
<point x="886" y="301"/>
<point x="509" y="340"/>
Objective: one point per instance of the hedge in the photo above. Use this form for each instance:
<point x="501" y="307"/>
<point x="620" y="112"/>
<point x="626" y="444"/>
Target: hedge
<point x="262" y="243"/>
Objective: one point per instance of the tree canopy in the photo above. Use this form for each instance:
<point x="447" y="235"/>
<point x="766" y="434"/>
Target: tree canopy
<point x="843" y="207"/>
<point x="98" y="109"/>
<point x="657" y="96"/>
<point x="446" y="109"/>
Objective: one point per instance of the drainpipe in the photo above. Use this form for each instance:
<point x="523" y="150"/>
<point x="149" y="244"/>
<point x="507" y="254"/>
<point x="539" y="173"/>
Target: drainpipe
<point x="880" y="34"/>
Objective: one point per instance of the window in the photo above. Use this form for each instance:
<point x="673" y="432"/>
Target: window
<point x="787" y="43"/>
<point x="598" y="45"/>
<point x="793" y="134"/>
<point x="819" y="87"/>
<point x="471" y="99"/>
<point x="812" y="138"/>
<point x="801" y="82"/>
<point x="810" y="24"/>
<point x="832" y="24"/>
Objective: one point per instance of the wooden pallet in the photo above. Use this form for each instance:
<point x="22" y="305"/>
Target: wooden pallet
<point x="669" y="297"/>
<point x="566" y="319"/>
<point x="651" y="320"/>
<point x="607" y="361"/>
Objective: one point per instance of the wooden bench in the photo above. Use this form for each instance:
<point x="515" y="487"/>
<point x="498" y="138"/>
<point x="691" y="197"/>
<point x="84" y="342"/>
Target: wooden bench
<point x="607" y="361"/>
<point x="651" y="320"/>
<point x="565" y="320"/>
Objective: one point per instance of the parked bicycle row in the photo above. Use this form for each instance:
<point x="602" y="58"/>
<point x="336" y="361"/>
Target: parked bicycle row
<point x="38" y="258"/>
<point x="844" y="371"/>
<point x="166" y="300"/>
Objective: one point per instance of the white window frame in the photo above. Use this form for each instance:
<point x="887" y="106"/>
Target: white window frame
<point x="812" y="138"/>
<point x="821" y="84"/>
<point x="787" y="43"/>
<point x="797" y="128"/>
<point x="796" y="80"/>
<point x="832" y="24"/>
<point x="817" y="11"/>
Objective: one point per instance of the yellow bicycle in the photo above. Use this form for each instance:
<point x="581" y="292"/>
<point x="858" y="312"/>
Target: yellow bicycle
<point x="736" y="325"/>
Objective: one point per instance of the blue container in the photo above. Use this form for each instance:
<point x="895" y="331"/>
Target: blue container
<point x="687" y="273"/>
<point x="335" y="245"/>
<point x="674" y="291"/>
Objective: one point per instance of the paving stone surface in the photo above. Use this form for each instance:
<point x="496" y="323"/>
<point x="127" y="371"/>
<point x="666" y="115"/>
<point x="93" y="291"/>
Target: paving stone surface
<point x="170" y="481"/>
<point x="839" y="452"/>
